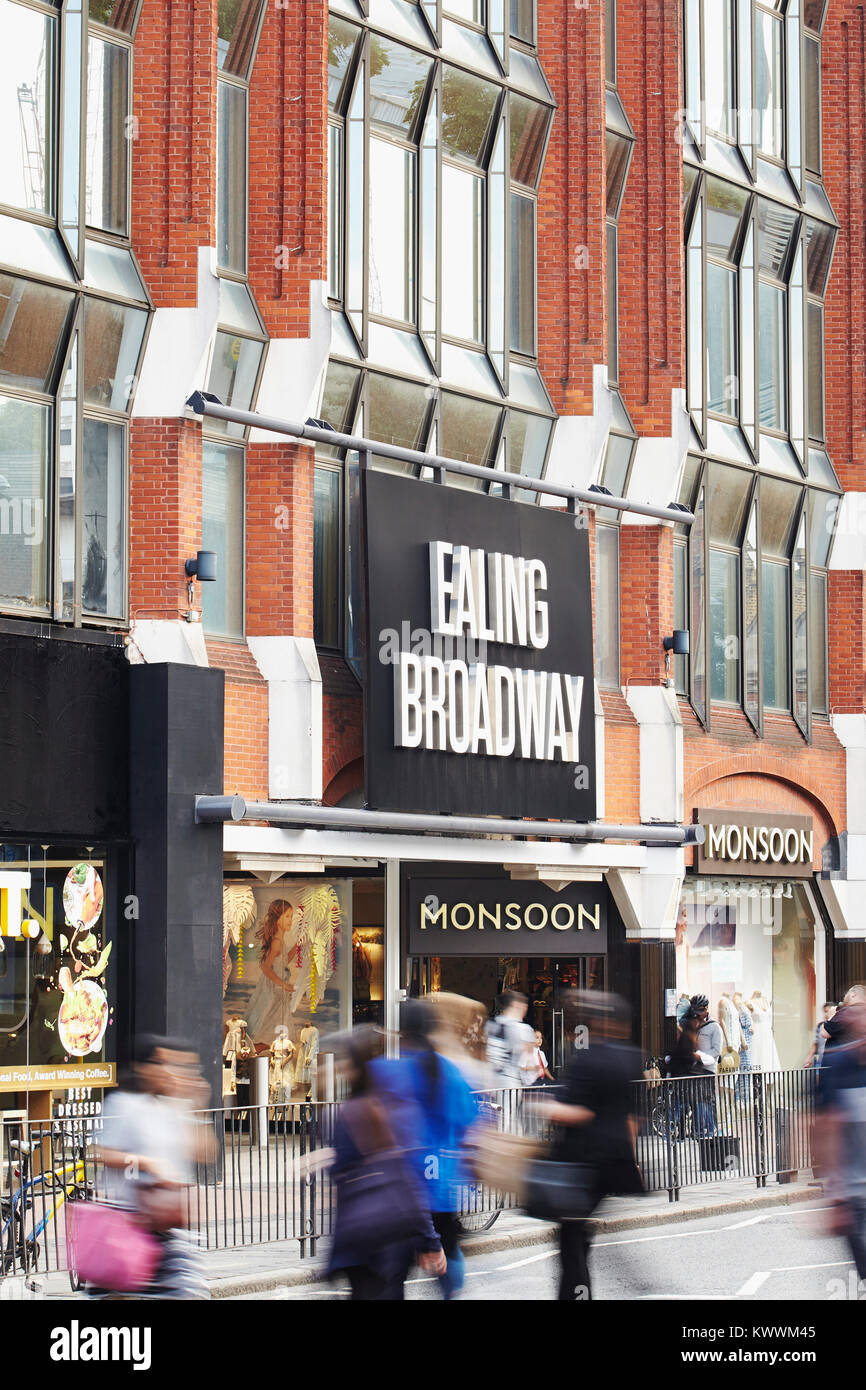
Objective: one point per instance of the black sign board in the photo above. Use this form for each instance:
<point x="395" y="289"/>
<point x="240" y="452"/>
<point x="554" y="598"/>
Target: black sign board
<point x="479" y="657"/>
<point x="497" y="917"/>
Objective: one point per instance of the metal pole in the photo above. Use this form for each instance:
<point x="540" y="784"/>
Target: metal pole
<point x="200" y="405"/>
<point x="210" y="809"/>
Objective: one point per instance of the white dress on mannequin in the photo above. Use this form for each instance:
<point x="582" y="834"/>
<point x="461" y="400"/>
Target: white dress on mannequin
<point x="764" y="1052"/>
<point x="270" y="1004"/>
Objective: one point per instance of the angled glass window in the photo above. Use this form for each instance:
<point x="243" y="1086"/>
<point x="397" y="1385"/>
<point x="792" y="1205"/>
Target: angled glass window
<point x="796" y="352"/>
<point x="775" y="634"/>
<point x="470" y="10"/>
<point x="819" y="253"/>
<point x="233" y="376"/>
<point x="719" y="66"/>
<point x="342" y="44"/>
<point x="522" y="274"/>
<point x="470" y="429"/>
<point x="818" y="641"/>
<point x="24" y="511"/>
<point x="799" y="603"/>
<point x="724" y="650"/>
<point x="73" y="96"/>
<point x="523" y="20"/>
<point x="607" y="606"/>
<point x="400" y="17"/>
<point x="769" y="97"/>
<point x="813" y="14"/>
<point x="398" y="80"/>
<point x="398" y="411"/>
<point x="610" y="41"/>
<point x="772" y="386"/>
<point x="339" y="397"/>
<point x="776" y="228"/>
<point x="36" y="250"/>
<point x="104" y="520"/>
<point x="751" y="621"/>
<point x="728" y="493"/>
<point x="690" y="175"/>
<point x="747" y="337"/>
<point x="222" y="530"/>
<point x="236" y="308"/>
<point x="497" y="271"/>
<point x="462" y="253"/>
<point x="721" y="340"/>
<point x="468" y="108"/>
<point x="67" y="468"/>
<point x="392" y="231"/>
<point x="812" y="104"/>
<point x="116" y="14"/>
<point x="697" y="642"/>
<point x="231" y="182"/>
<point x="780" y="502"/>
<point x="529" y="125"/>
<point x="726" y="206"/>
<point x="237" y="31"/>
<point x="107" y="172"/>
<point x="428" y="228"/>
<point x="111" y="269"/>
<point x="327" y="557"/>
<point x="33" y="323"/>
<point x="27" y="84"/>
<point x="355" y="224"/>
<point x="618" y="154"/>
<point x="113" y="335"/>
<point x="695" y="310"/>
<point x="528" y="438"/>
<point x="681" y="613"/>
<point x="815" y="369"/>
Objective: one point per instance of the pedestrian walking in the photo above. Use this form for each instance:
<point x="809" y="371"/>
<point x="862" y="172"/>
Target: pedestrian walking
<point x="536" y="1071"/>
<point x="690" y="1065"/>
<point x="840" y="1134"/>
<point x="382" y="1222"/>
<point x="510" y="1040"/>
<point x="819" y="1041"/>
<point x="710" y="1036"/>
<point x="149" y="1144"/>
<point x="596" y="1126"/>
<point x="433" y="1108"/>
<point x="836" y="1027"/>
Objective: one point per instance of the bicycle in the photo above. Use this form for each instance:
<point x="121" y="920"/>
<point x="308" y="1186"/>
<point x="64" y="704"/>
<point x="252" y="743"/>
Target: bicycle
<point x="20" y="1249"/>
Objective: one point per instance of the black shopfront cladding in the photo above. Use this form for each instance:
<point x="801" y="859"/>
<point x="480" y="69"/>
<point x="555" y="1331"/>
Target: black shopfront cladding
<point x="99" y="765"/>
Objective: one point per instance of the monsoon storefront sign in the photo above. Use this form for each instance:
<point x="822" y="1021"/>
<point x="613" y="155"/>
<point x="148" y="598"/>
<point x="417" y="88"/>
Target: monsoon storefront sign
<point x="754" y="843"/>
<point x="497" y="917"/>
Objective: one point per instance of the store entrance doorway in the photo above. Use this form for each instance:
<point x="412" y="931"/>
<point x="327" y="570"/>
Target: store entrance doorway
<point x="543" y="979"/>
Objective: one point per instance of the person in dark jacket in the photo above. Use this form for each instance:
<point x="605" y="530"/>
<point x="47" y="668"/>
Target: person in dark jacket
<point x="366" y="1125"/>
<point x="597" y="1123"/>
<point x="687" y="1060"/>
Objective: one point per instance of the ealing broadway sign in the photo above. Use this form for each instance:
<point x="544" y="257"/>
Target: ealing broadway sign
<point x="754" y="844"/>
<point x="479" y="691"/>
<point x="495" y="917"/>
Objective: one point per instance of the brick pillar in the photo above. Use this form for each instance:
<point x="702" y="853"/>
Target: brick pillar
<point x="164" y="514"/>
<point x="279" y="568"/>
<point x="646" y="601"/>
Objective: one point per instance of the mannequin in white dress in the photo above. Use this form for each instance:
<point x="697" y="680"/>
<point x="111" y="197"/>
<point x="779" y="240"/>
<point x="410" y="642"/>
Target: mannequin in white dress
<point x="270" y="1004"/>
<point x="764" y="1053"/>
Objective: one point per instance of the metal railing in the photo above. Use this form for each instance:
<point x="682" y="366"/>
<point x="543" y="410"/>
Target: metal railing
<point x="270" y="1181"/>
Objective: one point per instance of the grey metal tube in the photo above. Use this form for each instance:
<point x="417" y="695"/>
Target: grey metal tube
<point x="470" y="470"/>
<point x="235" y="808"/>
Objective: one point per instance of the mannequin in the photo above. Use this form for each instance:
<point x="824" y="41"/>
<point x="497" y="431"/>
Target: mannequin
<point x="747" y="1028"/>
<point x="764" y="1053"/>
<point x="282" y="1051"/>
<point x="308" y="1052"/>
<point x="729" y="1018"/>
<point x="234" y="1046"/>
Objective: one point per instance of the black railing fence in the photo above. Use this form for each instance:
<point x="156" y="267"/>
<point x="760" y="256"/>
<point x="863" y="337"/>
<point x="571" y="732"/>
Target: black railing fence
<point x="269" y="1180"/>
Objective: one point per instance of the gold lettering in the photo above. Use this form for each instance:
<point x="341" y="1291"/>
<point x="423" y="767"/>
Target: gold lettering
<point x="462" y="926"/>
<point x="592" y="918"/>
<point x="494" y="916"/>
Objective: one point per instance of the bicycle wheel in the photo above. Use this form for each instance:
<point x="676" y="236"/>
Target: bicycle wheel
<point x="474" y="1222"/>
<point x="13" y="1255"/>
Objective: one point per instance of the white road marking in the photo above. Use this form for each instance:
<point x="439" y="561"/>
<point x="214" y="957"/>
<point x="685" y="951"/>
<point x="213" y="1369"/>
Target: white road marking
<point x="752" y="1221"/>
<point x="829" y="1264"/>
<point x="531" y="1260"/>
<point x="753" y="1283"/>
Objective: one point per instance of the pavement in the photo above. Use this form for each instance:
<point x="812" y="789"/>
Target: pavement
<point x="260" y="1270"/>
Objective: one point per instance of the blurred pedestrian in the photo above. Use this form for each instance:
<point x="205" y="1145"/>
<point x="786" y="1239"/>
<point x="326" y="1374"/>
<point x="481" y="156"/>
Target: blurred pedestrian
<point x="149" y="1144"/>
<point x="382" y="1221"/>
<point x="433" y="1110"/>
<point x="840" y="1133"/>
<point x="819" y="1041"/>
<point x="510" y="1040"/>
<point x="686" y="1060"/>
<point x="459" y="1034"/>
<point x="837" y="1026"/>
<point x="597" y="1124"/>
<point x="536" y="1071"/>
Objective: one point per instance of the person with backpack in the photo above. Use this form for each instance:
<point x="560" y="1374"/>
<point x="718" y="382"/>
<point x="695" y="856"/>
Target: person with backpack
<point x="840" y="1133"/>
<point x="510" y="1041"/>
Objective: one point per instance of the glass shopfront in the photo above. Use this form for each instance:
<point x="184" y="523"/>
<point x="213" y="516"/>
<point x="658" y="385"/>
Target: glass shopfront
<point x="763" y="940"/>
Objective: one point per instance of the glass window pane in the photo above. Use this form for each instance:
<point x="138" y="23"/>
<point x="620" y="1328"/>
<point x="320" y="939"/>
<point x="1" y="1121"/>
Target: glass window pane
<point x="72" y="101"/>
<point x="695" y="298"/>
<point x="342" y="41"/>
<point x="529" y="122"/>
<point x="692" y="64"/>
<point x="747" y="337"/>
<point x="522" y="16"/>
<point x="771" y="357"/>
<point x="727" y="499"/>
<point x="819" y="253"/>
<point x="26" y="116"/>
<point x="725" y="207"/>
<point x="464" y="9"/>
<point x="690" y="173"/>
<point x="793" y="92"/>
<point x="721" y="340"/>
<point x="326" y="558"/>
<point x="698" y="624"/>
<point x="796" y="355"/>
<point x="497" y="271"/>
<point x="222" y="530"/>
<point x="529" y="436"/>
<point x="607" y="606"/>
<point x="470" y="429"/>
<point x="67" y="482"/>
<point x="355" y="219"/>
<point x="776" y="227"/>
<point x="681" y="613"/>
<point x="39" y="250"/>
<point x="824" y="508"/>
<point x="237" y="27"/>
<point x="117" y="14"/>
<point x="103" y="559"/>
<point x="231" y="213"/>
<point x="614" y="473"/>
<point x="338" y="396"/>
<point x="429" y="227"/>
<point x="392" y="231"/>
<point x="112" y="270"/>
<point x="769" y="104"/>
<point x="233" y="375"/>
<point x="397" y="411"/>
<point x="113" y="334"/>
<point x="398" y="79"/>
<point x="236" y="307"/>
<point x="818" y="642"/>
<point x="33" y="320"/>
<point x="724" y="626"/>
<point x="751" y="649"/>
<point x="468" y="105"/>
<point x="462" y="226"/>
<point x="24" y="490"/>
<point x="107" y="135"/>
<point x="522" y="274"/>
<point x="610" y="40"/>
<point x="812" y="104"/>
<point x="617" y="150"/>
<point x="718" y="66"/>
<point x="774" y="633"/>
<point x="779" y="505"/>
<point x="799" y="599"/>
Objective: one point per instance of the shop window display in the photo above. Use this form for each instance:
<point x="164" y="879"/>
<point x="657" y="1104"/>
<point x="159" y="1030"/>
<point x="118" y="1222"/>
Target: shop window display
<point x="759" y="940"/>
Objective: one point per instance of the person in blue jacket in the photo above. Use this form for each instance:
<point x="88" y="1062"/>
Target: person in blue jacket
<point x="432" y="1108"/>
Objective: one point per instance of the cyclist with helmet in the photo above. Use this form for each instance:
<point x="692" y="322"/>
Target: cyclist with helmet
<point x="710" y="1036"/>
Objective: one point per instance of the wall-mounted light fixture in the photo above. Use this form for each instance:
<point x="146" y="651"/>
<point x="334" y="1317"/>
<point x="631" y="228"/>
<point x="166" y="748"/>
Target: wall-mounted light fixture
<point x="678" y="645"/>
<point x="203" y="568"/>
